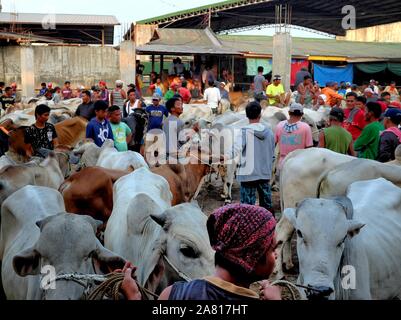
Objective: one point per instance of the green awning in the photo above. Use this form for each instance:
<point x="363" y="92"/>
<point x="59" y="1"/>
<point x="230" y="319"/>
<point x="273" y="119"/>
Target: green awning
<point x="371" y="67"/>
<point x="395" y="68"/>
<point x="379" y="67"/>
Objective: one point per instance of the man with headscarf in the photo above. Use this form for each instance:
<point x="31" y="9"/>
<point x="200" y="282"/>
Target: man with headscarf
<point x="243" y="238"/>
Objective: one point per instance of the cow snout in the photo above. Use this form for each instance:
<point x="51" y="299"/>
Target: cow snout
<point x="319" y="293"/>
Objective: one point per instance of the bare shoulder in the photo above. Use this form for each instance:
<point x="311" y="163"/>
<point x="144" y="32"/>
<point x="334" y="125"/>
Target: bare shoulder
<point x="165" y="295"/>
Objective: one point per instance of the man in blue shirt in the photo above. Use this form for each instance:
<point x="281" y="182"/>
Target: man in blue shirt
<point x="156" y="113"/>
<point x="99" y="129"/>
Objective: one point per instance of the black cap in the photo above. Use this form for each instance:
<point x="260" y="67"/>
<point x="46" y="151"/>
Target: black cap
<point x="337" y="113"/>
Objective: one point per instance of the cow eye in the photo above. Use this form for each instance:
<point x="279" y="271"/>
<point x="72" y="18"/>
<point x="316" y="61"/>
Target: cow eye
<point x="189" y="252"/>
<point x="300" y="235"/>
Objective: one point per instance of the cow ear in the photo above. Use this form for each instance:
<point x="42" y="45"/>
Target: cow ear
<point x="347" y="205"/>
<point x="26" y="263"/>
<point x="96" y="224"/>
<point x="106" y="261"/>
<point x="45" y="221"/>
<point x="354" y="227"/>
<point x="162" y="220"/>
<point x="289" y="213"/>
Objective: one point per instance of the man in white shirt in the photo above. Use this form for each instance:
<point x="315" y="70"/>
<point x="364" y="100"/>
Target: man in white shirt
<point x="374" y="87"/>
<point x="212" y="97"/>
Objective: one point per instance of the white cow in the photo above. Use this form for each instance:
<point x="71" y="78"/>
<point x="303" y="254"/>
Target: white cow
<point x="299" y="179"/>
<point x="349" y="248"/>
<point x="195" y="112"/>
<point x="108" y="157"/>
<point x="39" y="234"/>
<point x="336" y="181"/>
<point x="13" y="178"/>
<point x="142" y="204"/>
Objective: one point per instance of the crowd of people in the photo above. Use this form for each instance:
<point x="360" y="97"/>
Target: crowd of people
<point x="363" y="121"/>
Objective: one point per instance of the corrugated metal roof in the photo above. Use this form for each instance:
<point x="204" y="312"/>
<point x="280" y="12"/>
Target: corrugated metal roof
<point x="325" y="16"/>
<point x="315" y="47"/>
<point x="30" y="37"/>
<point x="68" y="19"/>
<point x="192" y="41"/>
<point x="186" y="41"/>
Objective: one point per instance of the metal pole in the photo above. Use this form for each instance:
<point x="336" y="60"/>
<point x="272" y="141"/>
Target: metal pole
<point x="210" y="17"/>
<point x="153" y="62"/>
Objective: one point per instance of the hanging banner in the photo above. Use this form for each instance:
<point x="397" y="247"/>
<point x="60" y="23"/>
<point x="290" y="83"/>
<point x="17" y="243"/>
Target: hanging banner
<point x="253" y="65"/>
<point x="297" y="65"/>
<point x="324" y="74"/>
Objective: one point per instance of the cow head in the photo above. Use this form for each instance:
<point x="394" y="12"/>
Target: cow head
<point x="187" y="243"/>
<point x="323" y="231"/>
<point x="67" y="243"/>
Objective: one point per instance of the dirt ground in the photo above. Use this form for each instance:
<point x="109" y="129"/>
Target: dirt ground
<point x="209" y="198"/>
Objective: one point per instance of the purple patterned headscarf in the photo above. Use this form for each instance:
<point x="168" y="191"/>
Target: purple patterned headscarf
<point x="241" y="233"/>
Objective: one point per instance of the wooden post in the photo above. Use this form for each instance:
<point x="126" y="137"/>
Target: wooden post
<point x="103" y="40"/>
<point x="232" y="73"/>
<point x="161" y="65"/>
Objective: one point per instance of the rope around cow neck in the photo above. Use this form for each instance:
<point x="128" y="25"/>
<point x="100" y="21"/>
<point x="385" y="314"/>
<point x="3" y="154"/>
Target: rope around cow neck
<point x="291" y="287"/>
<point x="109" y="288"/>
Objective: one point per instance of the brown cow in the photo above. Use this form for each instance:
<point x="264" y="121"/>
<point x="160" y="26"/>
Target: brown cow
<point x="90" y="192"/>
<point x="71" y="131"/>
<point x="18" y="146"/>
<point x="184" y="180"/>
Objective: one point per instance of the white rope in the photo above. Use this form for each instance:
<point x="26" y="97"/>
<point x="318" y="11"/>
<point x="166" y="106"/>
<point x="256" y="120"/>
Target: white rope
<point x="290" y="287"/>
<point x="181" y="274"/>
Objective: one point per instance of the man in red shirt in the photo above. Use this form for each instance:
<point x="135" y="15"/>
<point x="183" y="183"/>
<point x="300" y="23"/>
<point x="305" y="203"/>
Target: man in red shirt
<point x="185" y="93"/>
<point x="354" y="117"/>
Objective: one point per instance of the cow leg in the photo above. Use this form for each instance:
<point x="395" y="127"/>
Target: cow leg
<point x="228" y="187"/>
<point x="202" y="182"/>
<point x="287" y="254"/>
<point x="284" y="231"/>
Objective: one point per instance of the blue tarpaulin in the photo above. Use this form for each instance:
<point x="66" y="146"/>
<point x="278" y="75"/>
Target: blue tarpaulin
<point x="324" y="74"/>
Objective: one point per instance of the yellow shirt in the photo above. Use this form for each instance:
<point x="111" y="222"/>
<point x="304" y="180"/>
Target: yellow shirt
<point x="274" y="91"/>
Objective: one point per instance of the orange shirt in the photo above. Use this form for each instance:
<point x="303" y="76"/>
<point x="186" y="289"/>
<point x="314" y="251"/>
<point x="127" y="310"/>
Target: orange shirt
<point x="332" y="96"/>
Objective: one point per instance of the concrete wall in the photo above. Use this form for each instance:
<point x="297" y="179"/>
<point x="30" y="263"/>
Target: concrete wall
<point x="383" y="33"/>
<point x="10" y="64"/>
<point x="80" y="65"/>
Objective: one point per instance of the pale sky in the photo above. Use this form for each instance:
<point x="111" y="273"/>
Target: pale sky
<point x="125" y="11"/>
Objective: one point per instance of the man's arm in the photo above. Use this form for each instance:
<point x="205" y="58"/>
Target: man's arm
<point x="55" y="137"/>
<point x="322" y="141"/>
<point x="385" y="149"/>
<point x="269" y="93"/>
<point x="351" y="150"/>
<point x="111" y="102"/>
<point x="364" y="140"/>
<point x="89" y="131"/>
<point x="128" y="133"/>
<point x="309" y="137"/>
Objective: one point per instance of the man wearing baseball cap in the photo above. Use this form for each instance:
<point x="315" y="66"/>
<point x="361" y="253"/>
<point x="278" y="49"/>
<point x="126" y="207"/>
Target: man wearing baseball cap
<point x="293" y="134"/>
<point x="275" y="91"/>
<point x="336" y="138"/>
<point x="390" y="139"/>
<point x="370" y="95"/>
<point x="156" y="112"/>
